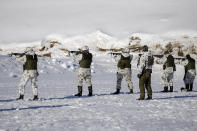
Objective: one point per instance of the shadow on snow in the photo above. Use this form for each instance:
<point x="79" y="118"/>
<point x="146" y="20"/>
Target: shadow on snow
<point x="84" y="96"/>
<point x="8" y="100"/>
<point x="33" y="107"/>
<point x="175" y="97"/>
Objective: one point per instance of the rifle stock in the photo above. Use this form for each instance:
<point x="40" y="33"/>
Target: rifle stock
<point x="16" y="54"/>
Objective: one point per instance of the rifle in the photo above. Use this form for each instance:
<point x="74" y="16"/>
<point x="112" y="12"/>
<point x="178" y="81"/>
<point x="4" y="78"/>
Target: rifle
<point x="16" y="54"/>
<point x="158" y="56"/>
<point x="180" y="58"/>
<point x="115" y="53"/>
<point x="176" y="58"/>
<point x="74" y="52"/>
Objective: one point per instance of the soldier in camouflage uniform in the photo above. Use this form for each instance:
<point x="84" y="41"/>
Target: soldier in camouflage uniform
<point x="30" y="72"/>
<point x="168" y="71"/>
<point x="124" y="70"/>
<point x="84" y="71"/>
<point x="190" y="72"/>
<point x="144" y="73"/>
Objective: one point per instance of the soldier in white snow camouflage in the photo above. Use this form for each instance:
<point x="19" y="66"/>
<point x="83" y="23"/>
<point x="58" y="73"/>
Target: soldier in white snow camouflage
<point x="168" y="71"/>
<point x="144" y="73"/>
<point x="84" y="72"/>
<point x="124" y="70"/>
<point x="29" y="61"/>
<point x="190" y="72"/>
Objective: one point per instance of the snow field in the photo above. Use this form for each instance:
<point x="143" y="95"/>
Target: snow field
<point x="58" y="109"/>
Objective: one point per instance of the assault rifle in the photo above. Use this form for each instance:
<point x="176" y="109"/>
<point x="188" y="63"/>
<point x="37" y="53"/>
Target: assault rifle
<point x="176" y="58"/>
<point x="180" y="58"/>
<point x="158" y="56"/>
<point x="115" y="53"/>
<point x="16" y="54"/>
<point x="74" y="52"/>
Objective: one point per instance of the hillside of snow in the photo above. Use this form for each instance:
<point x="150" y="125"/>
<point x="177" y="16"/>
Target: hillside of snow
<point x="56" y="46"/>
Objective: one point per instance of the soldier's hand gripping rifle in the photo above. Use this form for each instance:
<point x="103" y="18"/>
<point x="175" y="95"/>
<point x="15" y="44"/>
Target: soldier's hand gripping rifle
<point x="16" y="54"/>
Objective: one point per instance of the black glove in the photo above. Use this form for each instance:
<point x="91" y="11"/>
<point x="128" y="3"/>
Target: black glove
<point x="37" y="73"/>
<point x="138" y="75"/>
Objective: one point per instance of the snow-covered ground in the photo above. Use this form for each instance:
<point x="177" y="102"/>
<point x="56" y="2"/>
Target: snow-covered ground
<point x="58" y="109"/>
<point x="52" y="27"/>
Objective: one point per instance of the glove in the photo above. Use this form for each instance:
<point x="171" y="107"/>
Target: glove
<point x="37" y="73"/>
<point x="138" y="75"/>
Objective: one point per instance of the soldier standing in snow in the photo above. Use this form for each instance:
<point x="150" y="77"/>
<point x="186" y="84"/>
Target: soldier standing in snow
<point x="144" y="73"/>
<point x="29" y="60"/>
<point x="168" y="71"/>
<point x="190" y="73"/>
<point x="124" y="70"/>
<point x="84" y="71"/>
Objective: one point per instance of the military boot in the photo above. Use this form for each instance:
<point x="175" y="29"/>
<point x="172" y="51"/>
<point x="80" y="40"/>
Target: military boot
<point x="171" y="88"/>
<point x="140" y="99"/>
<point x="165" y="89"/>
<point x="90" y="90"/>
<point x="191" y="87"/>
<point x="149" y="98"/>
<point x="35" y="98"/>
<point x="79" y="91"/>
<point x="117" y="91"/>
<point x="20" y="97"/>
<point x="131" y="91"/>
<point x="187" y="87"/>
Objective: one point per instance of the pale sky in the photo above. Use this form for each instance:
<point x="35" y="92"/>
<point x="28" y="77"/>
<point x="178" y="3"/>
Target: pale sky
<point x="31" y="20"/>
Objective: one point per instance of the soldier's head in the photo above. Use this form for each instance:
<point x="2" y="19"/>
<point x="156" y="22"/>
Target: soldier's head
<point x="145" y="48"/>
<point x="29" y="50"/>
<point x="85" y="48"/>
<point x="188" y="56"/>
<point x="166" y="53"/>
<point x="125" y="50"/>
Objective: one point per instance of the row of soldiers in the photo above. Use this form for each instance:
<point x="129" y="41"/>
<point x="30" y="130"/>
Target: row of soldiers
<point x="124" y="61"/>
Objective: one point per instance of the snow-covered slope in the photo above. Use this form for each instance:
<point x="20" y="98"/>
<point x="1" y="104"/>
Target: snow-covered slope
<point x="179" y="44"/>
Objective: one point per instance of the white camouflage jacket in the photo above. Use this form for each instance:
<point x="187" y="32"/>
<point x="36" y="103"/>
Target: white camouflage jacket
<point x="144" y="62"/>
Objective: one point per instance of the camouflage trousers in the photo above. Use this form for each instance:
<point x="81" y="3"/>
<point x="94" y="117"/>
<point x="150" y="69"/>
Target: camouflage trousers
<point x="28" y="75"/>
<point x="167" y="77"/>
<point x="124" y="73"/>
<point x="84" y="74"/>
<point x="189" y="77"/>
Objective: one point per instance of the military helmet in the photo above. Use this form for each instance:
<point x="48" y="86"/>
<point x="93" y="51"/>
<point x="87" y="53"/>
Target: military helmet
<point x="29" y="49"/>
<point x="145" y="48"/>
<point x="187" y="56"/>
<point x="85" y="48"/>
<point x="125" y="50"/>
